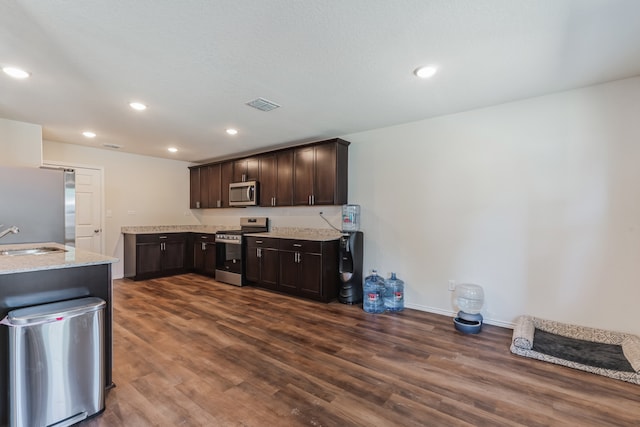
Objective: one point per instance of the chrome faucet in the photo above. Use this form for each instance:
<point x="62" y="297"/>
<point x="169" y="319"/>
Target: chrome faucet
<point x="12" y="229"/>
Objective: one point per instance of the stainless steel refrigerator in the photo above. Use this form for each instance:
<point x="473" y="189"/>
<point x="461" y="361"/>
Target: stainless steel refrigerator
<point x="40" y="202"/>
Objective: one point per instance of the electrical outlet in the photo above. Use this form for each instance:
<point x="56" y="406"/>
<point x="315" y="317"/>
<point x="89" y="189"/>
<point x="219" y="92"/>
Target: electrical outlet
<point x="452" y="285"/>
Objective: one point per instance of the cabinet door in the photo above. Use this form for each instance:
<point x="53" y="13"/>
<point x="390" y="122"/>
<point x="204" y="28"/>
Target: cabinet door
<point x="303" y="172"/>
<point x="173" y="255"/>
<point x="268" y="175"/>
<point x="204" y="187"/>
<point x="214" y="186"/>
<point x="284" y="178"/>
<point x="148" y="258"/>
<point x="209" y="261"/>
<point x="253" y="169"/>
<point x="252" y="265"/>
<point x="269" y="264"/>
<point x="246" y="169"/>
<point x="310" y="279"/>
<point x="204" y="254"/>
<point x="198" y="255"/>
<point x="288" y="271"/>
<point x="194" y="186"/>
<point x="324" y="179"/>
<point x="226" y="177"/>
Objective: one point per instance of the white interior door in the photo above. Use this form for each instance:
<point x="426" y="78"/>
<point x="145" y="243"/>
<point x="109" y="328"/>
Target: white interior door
<point x="88" y="209"/>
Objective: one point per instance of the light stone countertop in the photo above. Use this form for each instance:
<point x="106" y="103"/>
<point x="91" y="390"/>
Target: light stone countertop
<point x="315" y="234"/>
<point x="152" y="229"/>
<point x="72" y="257"/>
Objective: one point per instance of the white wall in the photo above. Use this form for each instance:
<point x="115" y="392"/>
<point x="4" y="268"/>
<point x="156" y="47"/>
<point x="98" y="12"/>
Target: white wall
<point x="20" y="144"/>
<point x="538" y="201"/>
<point x="157" y="190"/>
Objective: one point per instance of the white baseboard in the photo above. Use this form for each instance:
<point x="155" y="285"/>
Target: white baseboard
<point x="452" y="314"/>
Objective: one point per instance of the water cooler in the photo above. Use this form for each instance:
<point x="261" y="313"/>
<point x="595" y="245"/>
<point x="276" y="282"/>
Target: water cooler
<point x="351" y="255"/>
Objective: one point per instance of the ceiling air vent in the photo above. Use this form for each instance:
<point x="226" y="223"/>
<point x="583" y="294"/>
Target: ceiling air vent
<point x="116" y="146"/>
<point x="262" y="104"/>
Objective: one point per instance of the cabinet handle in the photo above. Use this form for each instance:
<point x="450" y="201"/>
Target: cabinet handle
<point x="258" y="242"/>
<point x="259" y="252"/>
<point x="309" y="200"/>
<point x="273" y="201"/>
<point x="197" y="205"/>
<point x="297" y="245"/>
<point x="162" y="237"/>
<point x="244" y="177"/>
<point x="219" y="204"/>
<point x="204" y="246"/>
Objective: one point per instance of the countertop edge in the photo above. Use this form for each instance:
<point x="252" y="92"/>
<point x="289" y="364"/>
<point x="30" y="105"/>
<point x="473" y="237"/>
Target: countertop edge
<point x="72" y="257"/>
<point x="294" y="236"/>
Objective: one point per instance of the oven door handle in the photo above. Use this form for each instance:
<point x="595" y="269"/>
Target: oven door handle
<point x="250" y="193"/>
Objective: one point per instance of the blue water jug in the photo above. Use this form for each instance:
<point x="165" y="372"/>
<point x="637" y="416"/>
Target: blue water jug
<point x="373" y="293"/>
<point x="394" y="294"/>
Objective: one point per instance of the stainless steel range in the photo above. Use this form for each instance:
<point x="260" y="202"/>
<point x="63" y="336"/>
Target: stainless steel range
<point x="230" y="249"/>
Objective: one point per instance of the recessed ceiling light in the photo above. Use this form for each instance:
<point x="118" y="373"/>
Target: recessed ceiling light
<point x="172" y="149"/>
<point x="16" y="73"/>
<point x="425" y="72"/>
<point x="231" y="131"/>
<point x="89" y="134"/>
<point x="138" y="106"/>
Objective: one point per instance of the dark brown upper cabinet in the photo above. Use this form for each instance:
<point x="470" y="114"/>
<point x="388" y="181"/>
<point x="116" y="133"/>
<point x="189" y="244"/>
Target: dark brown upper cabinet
<point x="268" y="179"/>
<point x="311" y="174"/>
<point x="246" y="169"/>
<point x="226" y="178"/>
<point x="214" y="187"/>
<point x="199" y="177"/>
<point x="320" y="173"/>
<point x="276" y="179"/>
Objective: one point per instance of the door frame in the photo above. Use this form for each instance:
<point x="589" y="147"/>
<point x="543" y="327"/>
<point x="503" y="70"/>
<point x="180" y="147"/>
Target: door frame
<point x="70" y="165"/>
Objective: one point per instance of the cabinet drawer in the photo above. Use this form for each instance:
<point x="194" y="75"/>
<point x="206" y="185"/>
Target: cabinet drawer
<point x="310" y="246"/>
<point x="160" y="237"/>
<point x="209" y="238"/>
<point x="263" y="242"/>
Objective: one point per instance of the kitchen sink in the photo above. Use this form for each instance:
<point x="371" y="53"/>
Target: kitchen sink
<point x="31" y="251"/>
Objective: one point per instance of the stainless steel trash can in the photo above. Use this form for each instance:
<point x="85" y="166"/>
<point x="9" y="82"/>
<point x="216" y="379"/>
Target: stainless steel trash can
<point x="56" y="362"/>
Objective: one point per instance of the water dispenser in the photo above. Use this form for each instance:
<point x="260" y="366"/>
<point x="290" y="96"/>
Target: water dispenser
<point x="350" y="267"/>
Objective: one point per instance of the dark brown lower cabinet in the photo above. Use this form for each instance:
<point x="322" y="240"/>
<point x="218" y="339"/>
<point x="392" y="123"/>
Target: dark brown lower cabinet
<point x="204" y="254"/>
<point x="261" y="266"/>
<point x="304" y="268"/>
<point x="155" y="255"/>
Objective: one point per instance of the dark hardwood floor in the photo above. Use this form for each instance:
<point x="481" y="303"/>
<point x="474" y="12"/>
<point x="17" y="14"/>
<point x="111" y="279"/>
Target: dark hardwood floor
<point x="189" y="351"/>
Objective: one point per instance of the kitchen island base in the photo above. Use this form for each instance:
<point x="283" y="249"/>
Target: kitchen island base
<point x="25" y="289"/>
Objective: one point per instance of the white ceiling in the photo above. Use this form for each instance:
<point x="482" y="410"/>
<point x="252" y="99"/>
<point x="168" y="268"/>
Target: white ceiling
<point x="335" y="66"/>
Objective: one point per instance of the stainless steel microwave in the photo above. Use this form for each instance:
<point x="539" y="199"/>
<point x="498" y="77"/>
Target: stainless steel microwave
<point x="243" y="193"/>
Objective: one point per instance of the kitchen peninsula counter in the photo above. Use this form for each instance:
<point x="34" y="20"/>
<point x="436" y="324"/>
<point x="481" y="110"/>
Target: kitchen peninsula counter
<point x="71" y="257"/>
<point x="28" y="280"/>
